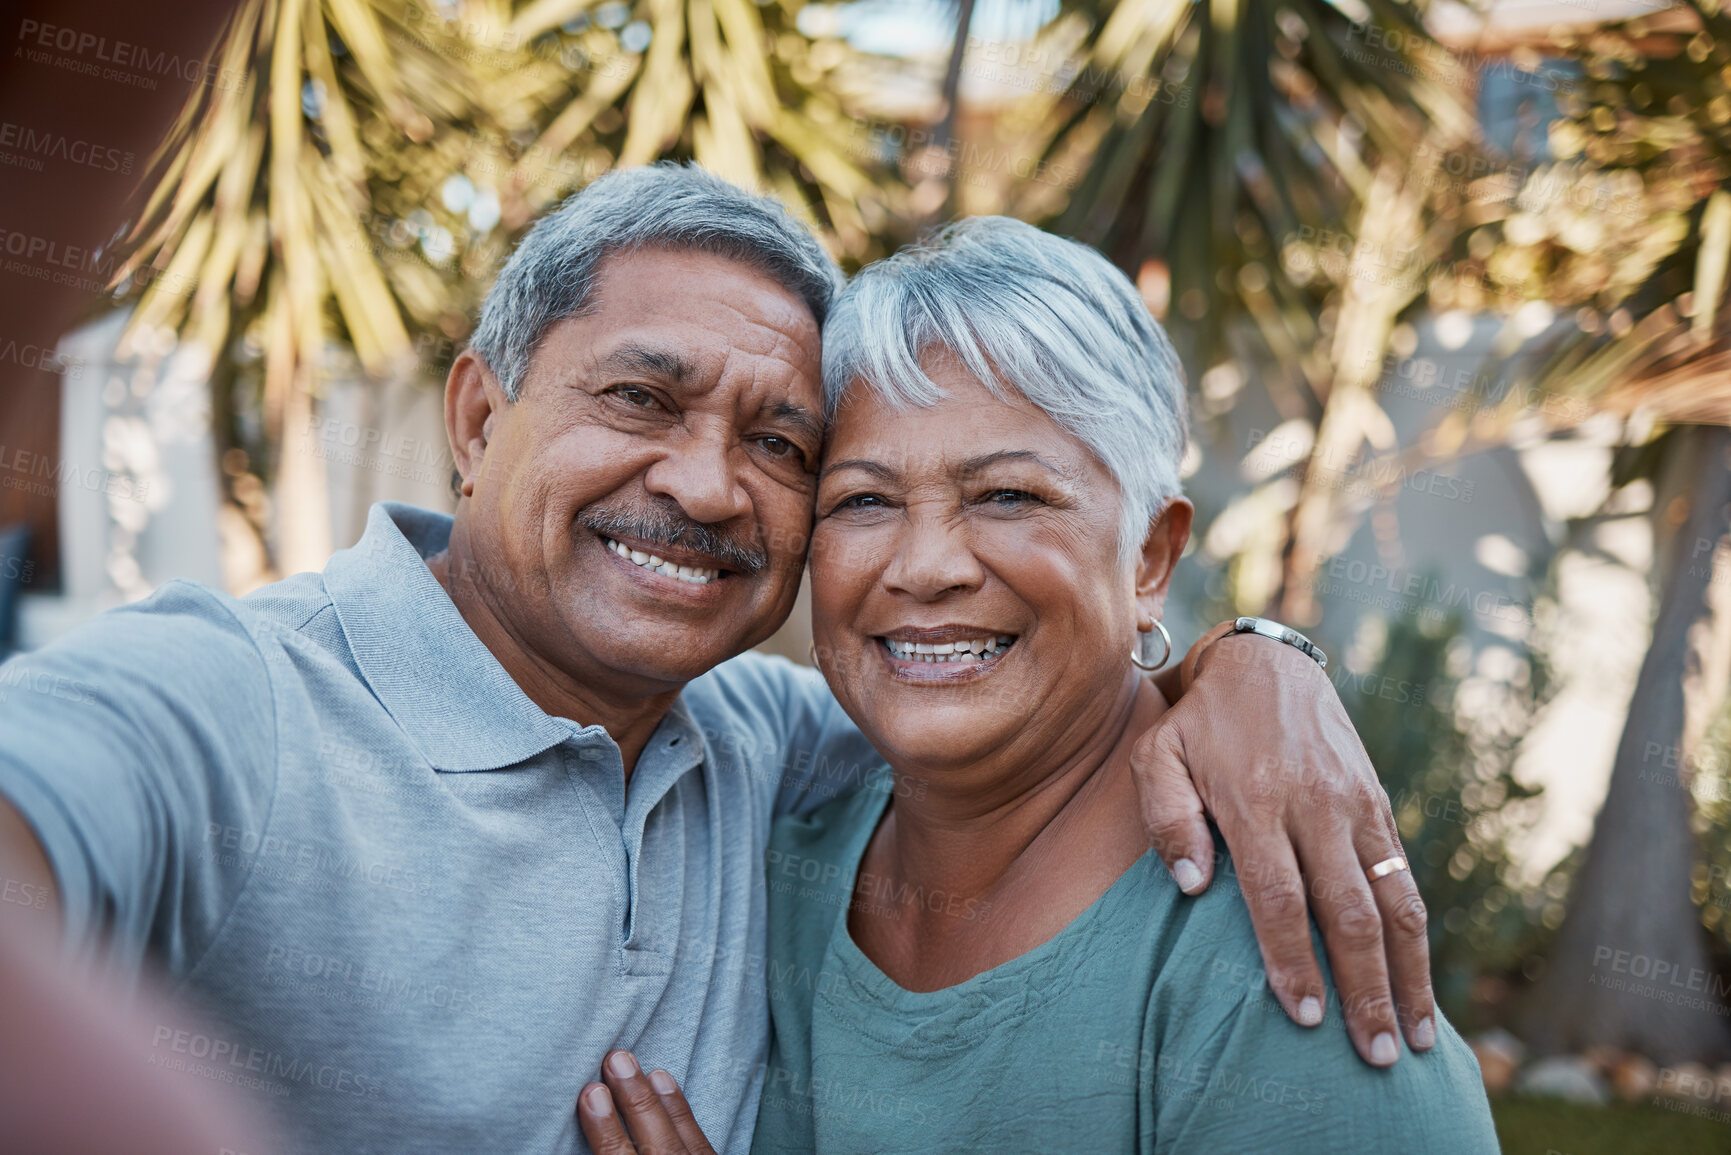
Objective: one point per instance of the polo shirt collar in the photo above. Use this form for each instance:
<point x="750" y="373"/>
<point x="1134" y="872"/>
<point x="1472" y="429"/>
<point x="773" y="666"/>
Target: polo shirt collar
<point x="446" y="690"/>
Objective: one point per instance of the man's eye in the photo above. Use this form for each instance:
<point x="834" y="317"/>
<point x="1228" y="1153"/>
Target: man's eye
<point x="637" y="396"/>
<point x="778" y="446"/>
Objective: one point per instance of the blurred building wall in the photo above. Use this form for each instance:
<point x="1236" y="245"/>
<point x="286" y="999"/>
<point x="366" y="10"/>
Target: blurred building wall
<point x="140" y="494"/>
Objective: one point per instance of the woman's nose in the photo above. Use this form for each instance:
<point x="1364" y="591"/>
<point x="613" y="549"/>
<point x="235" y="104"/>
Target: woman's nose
<point x="933" y="558"/>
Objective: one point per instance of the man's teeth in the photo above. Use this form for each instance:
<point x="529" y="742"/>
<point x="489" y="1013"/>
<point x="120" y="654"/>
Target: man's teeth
<point x="685" y="573"/>
<point x="977" y="650"/>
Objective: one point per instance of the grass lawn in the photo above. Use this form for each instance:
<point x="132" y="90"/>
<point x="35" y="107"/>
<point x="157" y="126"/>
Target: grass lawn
<point x="1548" y="1127"/>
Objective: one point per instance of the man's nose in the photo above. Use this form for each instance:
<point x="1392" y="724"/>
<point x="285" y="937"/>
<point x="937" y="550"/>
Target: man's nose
<point x="701" y="473"/>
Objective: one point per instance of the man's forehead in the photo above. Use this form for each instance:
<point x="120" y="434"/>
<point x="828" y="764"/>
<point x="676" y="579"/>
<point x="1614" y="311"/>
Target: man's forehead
<point x="703" y="320"/>
<point x="647" y="283"/>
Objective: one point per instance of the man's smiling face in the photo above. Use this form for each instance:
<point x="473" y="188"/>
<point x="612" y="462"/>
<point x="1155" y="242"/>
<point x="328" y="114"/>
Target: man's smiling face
<point x="641" y="512"/>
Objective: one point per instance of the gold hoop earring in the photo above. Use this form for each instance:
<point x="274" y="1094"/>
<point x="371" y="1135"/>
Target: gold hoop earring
<point x="1136" y="652"/>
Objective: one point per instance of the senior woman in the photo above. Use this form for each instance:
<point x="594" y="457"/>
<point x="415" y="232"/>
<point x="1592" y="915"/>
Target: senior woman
<point x="982" y="954"/>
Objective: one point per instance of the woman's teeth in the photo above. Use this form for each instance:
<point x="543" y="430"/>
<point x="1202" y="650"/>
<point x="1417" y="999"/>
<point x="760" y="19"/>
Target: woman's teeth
<point x="977" y="650"/>
<point x="685" y="573"/>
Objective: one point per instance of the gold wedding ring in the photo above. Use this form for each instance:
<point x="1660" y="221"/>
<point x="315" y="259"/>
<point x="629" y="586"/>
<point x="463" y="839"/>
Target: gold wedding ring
<point x="1386" y="867"/>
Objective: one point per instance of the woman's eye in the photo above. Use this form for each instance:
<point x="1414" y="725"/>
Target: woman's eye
<point x="860" y="501"/>
<point x="1010" y="497"/>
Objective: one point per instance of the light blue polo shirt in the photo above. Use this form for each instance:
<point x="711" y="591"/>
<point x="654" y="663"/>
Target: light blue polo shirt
<point x="421" y="908"/>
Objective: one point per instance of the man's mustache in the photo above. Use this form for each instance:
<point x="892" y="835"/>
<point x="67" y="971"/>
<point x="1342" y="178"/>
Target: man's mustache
<point x="670" y="527"/>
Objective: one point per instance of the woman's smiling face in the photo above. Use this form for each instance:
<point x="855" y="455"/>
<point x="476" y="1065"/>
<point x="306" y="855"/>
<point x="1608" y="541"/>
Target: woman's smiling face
<point x="968" y="592"/>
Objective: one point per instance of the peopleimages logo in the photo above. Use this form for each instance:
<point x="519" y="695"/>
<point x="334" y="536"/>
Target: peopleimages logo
<point x="1406" y="591"/>
<point x="253" y="1067"/>
<point x="90" y="54"/>
<point x="32" y="146"/>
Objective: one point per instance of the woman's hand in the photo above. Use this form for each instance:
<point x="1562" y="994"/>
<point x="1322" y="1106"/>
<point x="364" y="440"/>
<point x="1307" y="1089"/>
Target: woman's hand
<point x="651" y="1107"/>
<point x="1261" y="743"/>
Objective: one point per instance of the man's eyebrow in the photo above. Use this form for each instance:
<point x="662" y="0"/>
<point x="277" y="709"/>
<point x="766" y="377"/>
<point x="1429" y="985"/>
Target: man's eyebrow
<point x="647" y="359"/>
<point x="798" y="416"/>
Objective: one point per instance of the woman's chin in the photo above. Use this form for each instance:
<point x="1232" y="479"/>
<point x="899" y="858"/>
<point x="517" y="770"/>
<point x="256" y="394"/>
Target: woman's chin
<point x="929" y="730"/>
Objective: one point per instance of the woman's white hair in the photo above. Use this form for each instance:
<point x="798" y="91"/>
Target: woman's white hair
<point x="1031" y="315"/>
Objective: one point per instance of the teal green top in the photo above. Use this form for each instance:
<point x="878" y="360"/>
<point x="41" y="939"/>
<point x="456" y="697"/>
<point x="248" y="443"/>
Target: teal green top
<point x="1145" y="1025"/>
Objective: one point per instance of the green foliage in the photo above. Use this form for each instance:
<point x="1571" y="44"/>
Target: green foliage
<point x="1631" y="220"/>
<point x="1443" y="740"/>
<point x="1549" y="1127"/>
<point x="1711" y="785"/>
<point x="1218" y="134"/>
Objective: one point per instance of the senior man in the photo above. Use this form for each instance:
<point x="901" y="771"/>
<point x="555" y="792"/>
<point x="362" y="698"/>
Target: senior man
<point x="432" y="831"/>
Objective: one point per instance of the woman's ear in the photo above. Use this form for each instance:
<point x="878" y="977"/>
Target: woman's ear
<point x="473" y="397"/>
<point x="1161" y="550"/>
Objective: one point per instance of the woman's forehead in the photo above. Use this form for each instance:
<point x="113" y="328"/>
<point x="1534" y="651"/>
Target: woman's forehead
<point x="965" y="429"/>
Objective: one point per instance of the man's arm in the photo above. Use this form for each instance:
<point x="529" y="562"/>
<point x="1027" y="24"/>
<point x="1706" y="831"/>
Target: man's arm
<point x="26" y="877"/>
<point x="70" y="1042"/>
<point x="111" y="741"/>
<point x="1257" y="740"/>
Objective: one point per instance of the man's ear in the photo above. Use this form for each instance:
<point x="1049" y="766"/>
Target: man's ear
<point x="1161" y="550"/>
<point x="473" y="399"/>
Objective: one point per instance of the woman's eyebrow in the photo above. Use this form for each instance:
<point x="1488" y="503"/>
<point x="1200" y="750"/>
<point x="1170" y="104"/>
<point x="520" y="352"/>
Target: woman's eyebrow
<point x="975" y="465"/>
<point x="876" y="468"/>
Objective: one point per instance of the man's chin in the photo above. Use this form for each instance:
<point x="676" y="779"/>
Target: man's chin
<point x="660" y="658"/>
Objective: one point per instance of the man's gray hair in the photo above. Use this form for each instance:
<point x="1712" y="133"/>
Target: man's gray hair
<point x="1031" y="315"/>
<point x="552" y="275"/>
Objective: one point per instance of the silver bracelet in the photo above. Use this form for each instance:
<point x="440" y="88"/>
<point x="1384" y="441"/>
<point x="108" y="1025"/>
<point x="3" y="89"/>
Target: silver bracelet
<point x="1281" y="633"/>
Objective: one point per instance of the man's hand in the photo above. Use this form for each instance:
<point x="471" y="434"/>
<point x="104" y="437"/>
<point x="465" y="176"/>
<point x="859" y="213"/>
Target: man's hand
<point x="1261" y="743"/>
<point x="651" y="1106"/>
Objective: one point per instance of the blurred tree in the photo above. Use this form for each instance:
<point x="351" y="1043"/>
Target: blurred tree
<point x="1215" y="136"/>
<point x="356" y="176"/>
<point x="279" y="201"/>
<point x="1632" y="896"/>
<point x="949" y="101"/>
<point x="1629" y="224"/>
<point x="730" y="84"/>
<point x="1254" y="167"/>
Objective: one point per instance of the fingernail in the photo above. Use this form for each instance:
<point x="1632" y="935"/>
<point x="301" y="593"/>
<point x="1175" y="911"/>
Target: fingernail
<point x="600" y="1102"/>
<point x="1424" y="1038"/>
<point x="1309" y="1011"/>
<point x="1383" y="1051"/>
<point x="1188" y="875"/>
<point x="662" y="1082"/>
<point x="622" y="1064"/>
